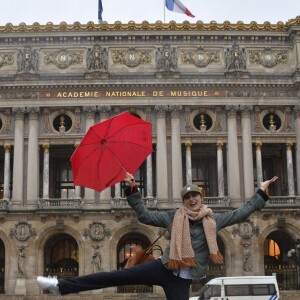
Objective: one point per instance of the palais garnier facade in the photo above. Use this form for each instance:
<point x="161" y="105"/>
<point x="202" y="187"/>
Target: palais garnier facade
<point x="224" y="103"/>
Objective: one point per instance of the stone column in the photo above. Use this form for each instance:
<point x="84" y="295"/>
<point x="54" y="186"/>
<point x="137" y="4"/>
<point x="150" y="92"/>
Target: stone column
<point x="220" y="170"/>
<point x="176" y="152"/>
<point x="6" y="190"/>
<point x="18" y="164"/>
<point x="233" y="157"/>
<point x="297" y="128"/>
<point x="161" y="155"/>
<point x="33" y="156"/>
<point x="89" y="194"/>
<point x="105" y="195"/>
<point x="290" y="169"/>
<point x="46" y="172"/>
<point x="188" y="162"/>
<point x="259" y="173"/>
<point x="77" y="187"/>
<point x="247" y="151"/>
<point x="149" y="162"/>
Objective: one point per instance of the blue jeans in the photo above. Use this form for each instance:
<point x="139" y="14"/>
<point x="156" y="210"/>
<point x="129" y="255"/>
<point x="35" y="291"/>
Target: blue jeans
<point x="150" y="273"/>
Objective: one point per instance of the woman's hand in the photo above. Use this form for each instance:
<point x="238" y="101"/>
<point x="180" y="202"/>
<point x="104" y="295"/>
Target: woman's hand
<point x="129" y="178"/>
<point x="265" y="184"/>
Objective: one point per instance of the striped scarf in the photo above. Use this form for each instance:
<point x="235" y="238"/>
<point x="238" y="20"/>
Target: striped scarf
<point x="181" y="251"/>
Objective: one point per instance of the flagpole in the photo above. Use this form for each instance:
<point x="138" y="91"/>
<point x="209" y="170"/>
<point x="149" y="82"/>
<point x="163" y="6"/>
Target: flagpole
<point x="164" y="3"/>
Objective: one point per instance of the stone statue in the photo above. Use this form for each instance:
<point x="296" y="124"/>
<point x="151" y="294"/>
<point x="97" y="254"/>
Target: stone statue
<point x="247" y="260"/>
<point x="21" y="259"/>
<point x="96" y="259"/>
<point x="166" y="59"/>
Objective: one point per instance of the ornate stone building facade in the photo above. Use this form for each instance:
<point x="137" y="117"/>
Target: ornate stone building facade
<point x="224" y="103"/>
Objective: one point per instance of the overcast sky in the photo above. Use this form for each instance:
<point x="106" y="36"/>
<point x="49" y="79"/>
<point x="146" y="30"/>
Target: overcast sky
<point x="56" y="11"/>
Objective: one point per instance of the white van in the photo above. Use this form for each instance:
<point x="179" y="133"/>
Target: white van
<point x="240" y="288"/>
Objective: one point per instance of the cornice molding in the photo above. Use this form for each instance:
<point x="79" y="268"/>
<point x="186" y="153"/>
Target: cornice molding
<point x="146" y="26"/>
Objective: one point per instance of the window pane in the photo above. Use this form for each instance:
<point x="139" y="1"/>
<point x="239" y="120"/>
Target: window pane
<point x="237" y="290"/>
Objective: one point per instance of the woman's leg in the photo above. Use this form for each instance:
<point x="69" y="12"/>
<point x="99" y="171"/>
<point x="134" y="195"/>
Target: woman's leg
<point x="149" y="273"/>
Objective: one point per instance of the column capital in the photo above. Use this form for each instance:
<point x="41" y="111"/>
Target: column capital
<point x="33" y="112"/>
<point x="231" y="110"/>
<point x="289" y="145"/>
<point x="258" y="144"/>
<point x="46" y="147"/>
<point x="161" y="110"/>
<point x="19" y="112"/>
<point x="105" y="109"/>
<point x="246" y="110"/>
<point x="7" y="148"/>
<point x="220" y="145"/>
<point x="188" y="145"/>
<point x="175" y="110"/>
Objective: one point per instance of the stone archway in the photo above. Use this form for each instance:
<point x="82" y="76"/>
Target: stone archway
<point x="61" y="256"/>
<point x="2" y="266"/>
<point x="276" y="261"/>
<point x="124" y="252"/>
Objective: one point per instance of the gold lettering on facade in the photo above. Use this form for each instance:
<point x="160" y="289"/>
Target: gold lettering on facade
<point x="126" y="94"/>
<point x="135" y="93"/>
<point x="158" y="93"/>
<point x="189" y="94"/>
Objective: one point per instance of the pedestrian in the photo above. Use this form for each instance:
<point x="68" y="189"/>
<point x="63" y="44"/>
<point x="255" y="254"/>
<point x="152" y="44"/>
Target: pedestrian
<point x="193" y="242"/>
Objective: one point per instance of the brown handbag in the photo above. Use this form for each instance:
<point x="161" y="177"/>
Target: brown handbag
<point x="144" y="255"/>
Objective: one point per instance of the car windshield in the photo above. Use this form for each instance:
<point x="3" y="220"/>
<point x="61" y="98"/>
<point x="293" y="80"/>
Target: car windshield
<point x="208" y="291"/>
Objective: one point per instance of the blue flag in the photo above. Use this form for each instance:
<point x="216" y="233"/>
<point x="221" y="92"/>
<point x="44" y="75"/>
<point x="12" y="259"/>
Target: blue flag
<point x="100" y="10"/>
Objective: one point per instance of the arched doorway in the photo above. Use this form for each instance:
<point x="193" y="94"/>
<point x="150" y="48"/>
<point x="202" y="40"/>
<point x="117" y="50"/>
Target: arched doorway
<point x="61" y="256"/>
<point x="124" y="251"/>
<point x="277" y="261"/>
<point x="2" y="267"/>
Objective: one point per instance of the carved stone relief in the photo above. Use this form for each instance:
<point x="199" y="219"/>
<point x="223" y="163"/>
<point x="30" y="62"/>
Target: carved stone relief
<point x="63" y="58"/>
<point x="97" y="231"/>
<point x="97" y="59"/>
<point x="22" y="231"/>
<point x="235" y="58"/>
<point x="132" y="57"/>
<point x="28" y="60"/>
<point x="166" y="59"/>
<point x="6" y="59"/>
<point x="268" y="57"/>
<point x="200" y="57"/>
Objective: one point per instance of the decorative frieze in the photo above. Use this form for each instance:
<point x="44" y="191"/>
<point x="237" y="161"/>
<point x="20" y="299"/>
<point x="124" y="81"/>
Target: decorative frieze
<point x="268" y="57"/>
<point x="166" y="59"/>
<point x="63" y="58"/>
<point x="6" y="59"/>
<point x="132" y="57"/>
<point x="200" y="57"/>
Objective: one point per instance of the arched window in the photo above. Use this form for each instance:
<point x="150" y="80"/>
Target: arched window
<point x="124" y="252"/>
<point x="276" y="260"/>
<point x="61" y="256"/>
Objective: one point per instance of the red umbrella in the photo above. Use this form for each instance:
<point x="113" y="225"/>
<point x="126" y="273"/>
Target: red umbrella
<point x="110" y="149"/>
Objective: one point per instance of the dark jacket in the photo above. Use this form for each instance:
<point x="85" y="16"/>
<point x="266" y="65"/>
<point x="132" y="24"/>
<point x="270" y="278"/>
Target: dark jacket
<point x="199" y="244"/>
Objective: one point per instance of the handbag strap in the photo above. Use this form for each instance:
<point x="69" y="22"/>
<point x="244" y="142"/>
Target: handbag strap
<point x="149" y="249"/>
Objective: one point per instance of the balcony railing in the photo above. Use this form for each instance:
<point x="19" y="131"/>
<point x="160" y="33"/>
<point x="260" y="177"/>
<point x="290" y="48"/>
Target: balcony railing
<point x="217" y="201"/>
<point x="121" y="203"/>
<point x="58" y="203"/>
<point x="283" y="201"/>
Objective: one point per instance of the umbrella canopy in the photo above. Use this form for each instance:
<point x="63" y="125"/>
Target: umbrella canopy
<point x="110" y="149"/>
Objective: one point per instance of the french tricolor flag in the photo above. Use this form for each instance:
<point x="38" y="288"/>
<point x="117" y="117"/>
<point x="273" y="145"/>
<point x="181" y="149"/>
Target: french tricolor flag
<point x="177" y="6"/>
